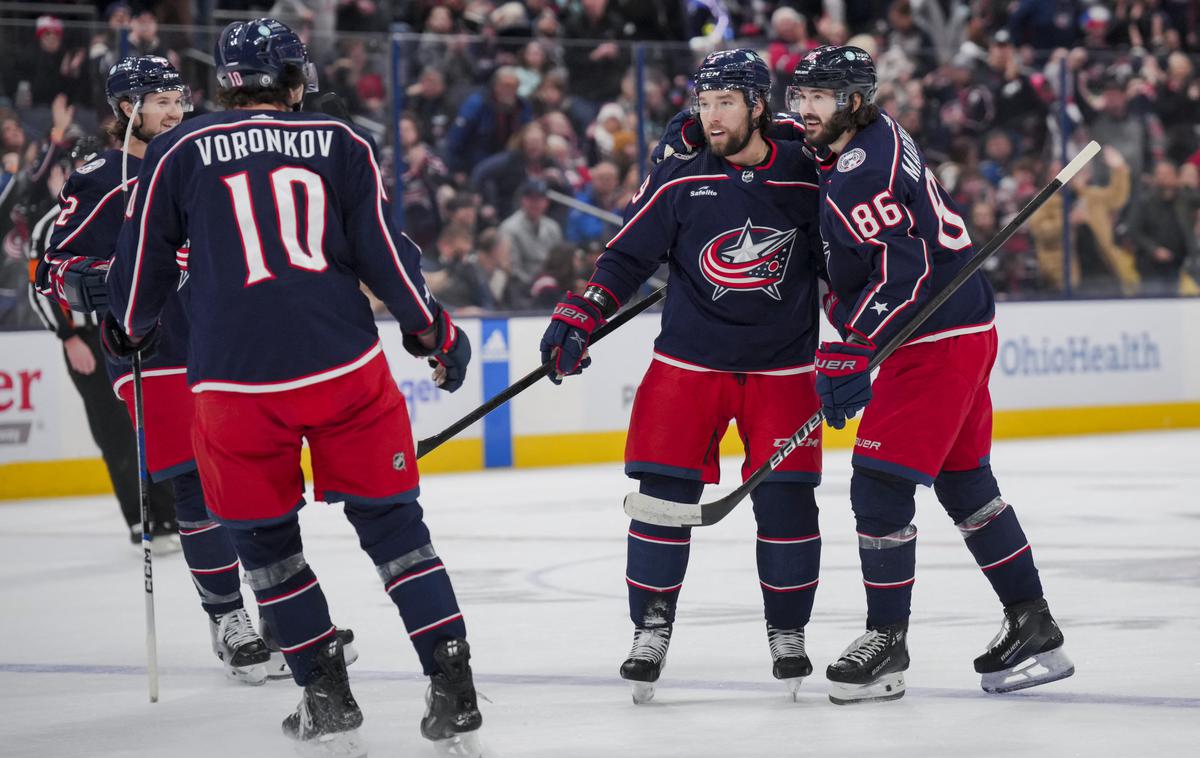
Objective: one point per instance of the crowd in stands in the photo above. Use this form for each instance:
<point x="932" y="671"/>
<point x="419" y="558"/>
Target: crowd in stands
<point x="509" y="106"/>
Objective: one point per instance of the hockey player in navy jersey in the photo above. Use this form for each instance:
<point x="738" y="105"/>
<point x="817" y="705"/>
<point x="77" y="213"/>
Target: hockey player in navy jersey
<point x="737" y="225"/>
<point x="82" y="241"/>
<point x="893" y="238"/>
<point x="286" y="213"/>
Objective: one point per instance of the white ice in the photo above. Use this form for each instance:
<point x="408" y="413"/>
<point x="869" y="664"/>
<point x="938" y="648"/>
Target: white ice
<point x="537" y="557"/>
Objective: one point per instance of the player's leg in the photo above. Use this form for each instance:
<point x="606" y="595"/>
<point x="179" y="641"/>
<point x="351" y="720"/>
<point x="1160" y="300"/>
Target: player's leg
<point x="363" y="455"/>
<point x="248" y="451"/>
<point x="672" y="454"/>
<point x="1028" y="649"/>
<point x="788" y="545"/>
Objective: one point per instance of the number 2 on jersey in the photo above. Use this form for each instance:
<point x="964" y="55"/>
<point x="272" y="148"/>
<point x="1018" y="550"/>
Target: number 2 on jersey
<point x="309" y="256"/>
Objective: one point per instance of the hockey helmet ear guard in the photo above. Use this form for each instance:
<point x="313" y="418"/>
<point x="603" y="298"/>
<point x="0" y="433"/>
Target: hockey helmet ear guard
<point x="842" y="69"/>
<point x="258" y="53"/>
<point x="132" y="79"/>
<point x="742" y="70"/>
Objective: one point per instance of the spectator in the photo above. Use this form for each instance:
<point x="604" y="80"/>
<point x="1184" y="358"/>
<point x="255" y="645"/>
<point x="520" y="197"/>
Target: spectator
<point x="52" y="68"/>
<point x="595" y="68"/>
<point x="499" y="177"/>
<point x="531" y="232"/>
<point x="498" y="289"/>
<point x="1099" y="267"/>
<point x="789" y="43"/>
<point x="487" y="121"/>
<point x="1162" y="228"/>
<point x="602" y="193"/>
<point x="610" y="136"/>
<point x="908" y="38"/>
<point x="1136" y="135"/>
<point x="144" y="39"/>
<point x="1019" y="108"/>
<point x="428" y="103"/>
<point x="425" y="174"/>
<point x="559" y="273"/>
<point x="535" y="63"/>
<point x="1177" y="105"/>
<point x="1013" y="269"/>
<point x="445" y="275"/>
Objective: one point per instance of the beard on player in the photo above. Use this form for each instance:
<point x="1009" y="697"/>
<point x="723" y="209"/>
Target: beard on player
<point x="731" y="140"/>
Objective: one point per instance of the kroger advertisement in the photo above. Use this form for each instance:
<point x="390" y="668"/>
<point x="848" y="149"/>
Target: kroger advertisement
<point x="1060" y="355"/>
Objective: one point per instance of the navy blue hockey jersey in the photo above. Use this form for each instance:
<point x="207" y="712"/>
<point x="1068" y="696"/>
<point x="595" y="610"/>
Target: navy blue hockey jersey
<point x="742" y="246"/>
<point x="91" y="213"/>
<point x="285" y="213"/>
<point x="894" y="237"/>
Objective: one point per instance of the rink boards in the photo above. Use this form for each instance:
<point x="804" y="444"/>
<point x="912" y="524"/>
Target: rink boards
<point x="1063" y="368"/>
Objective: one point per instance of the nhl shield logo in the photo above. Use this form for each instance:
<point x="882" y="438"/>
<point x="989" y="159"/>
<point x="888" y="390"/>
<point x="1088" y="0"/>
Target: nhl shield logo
<point x="745" y="259"/>
<point x="748" y="176"/>
<point x="398" y="462"/>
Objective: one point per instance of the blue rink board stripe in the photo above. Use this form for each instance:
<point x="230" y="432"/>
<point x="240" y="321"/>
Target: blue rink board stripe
<point x="1045" y="696"/>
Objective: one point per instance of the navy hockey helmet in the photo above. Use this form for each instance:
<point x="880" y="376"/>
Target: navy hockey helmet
<point x="134" y="78"/>
<point x="842" y="68"/>
<point x="256" y="54"/>
<point x="741" y="69"/>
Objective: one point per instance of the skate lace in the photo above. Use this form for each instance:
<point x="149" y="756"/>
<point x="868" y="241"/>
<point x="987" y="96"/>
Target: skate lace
<point x="785" y="643"/>
<point x="237" y="630"/>
<point x="650" y="644"/>
<point x="866" y="647"/>
<point x="1001" y="638"/>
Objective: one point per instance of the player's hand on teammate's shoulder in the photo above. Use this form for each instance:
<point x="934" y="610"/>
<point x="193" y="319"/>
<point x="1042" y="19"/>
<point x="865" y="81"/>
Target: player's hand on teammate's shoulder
<point x="566" y="339"/>
<point x="683" y="137"/>
<point x="447" y="348"/>
<point x="843" y="380"/>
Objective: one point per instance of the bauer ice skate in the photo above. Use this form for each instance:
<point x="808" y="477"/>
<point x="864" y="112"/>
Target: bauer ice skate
<point x="790" y="663"/>
<point x="1026" y="652"/>
<point x="239" y="647"/>
<point x="646" y="660"/>
<point x="452" y="717"/>
<point x="872" y="667"/>
<point x="326" y="721"/>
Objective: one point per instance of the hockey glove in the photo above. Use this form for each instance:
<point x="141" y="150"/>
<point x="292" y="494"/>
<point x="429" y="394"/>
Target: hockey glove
<point x="566" y="339"/>
<point x="684" y="135"/>
<point x="120" y="346"/>
<point x="78" y="283"/>
<point x="450" y="354"/>
<point x="843" y="380"/>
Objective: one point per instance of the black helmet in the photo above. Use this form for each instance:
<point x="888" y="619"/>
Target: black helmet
<point x="843" y="69"/>
<point x="134" y="78"/>
<point x="255" y="54"/>
<point x="741" y="69"/>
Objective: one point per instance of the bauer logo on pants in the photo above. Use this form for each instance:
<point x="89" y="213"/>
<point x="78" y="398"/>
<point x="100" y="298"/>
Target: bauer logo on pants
<point x="747" y="259"/>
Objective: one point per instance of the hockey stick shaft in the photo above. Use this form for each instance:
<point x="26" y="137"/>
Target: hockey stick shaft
<point x="668" y="513"/>
<point x="430" y="444"/>
<point x="139" y="417"/>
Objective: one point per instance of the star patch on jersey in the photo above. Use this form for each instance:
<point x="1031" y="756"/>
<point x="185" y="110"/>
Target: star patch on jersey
<point x="879" y="307"/>
<point x="746" y="259"/>
<point x="851" y="160"/>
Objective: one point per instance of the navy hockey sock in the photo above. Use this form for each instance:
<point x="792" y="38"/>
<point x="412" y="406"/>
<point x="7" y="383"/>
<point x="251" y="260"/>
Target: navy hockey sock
<point x="288" y="593"/>
<point x="657" y="556"/>
<point x="992" y="533"/>
<point x="207" y="548"/>
<point x="397" y="540"/>
<point x="887" y="544"/>
<point x="788" y="551"/>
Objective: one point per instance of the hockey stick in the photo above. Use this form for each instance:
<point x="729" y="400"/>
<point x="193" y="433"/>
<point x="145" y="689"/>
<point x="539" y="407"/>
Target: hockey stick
<point x="139" y="419"/>
<point x="669" y="513"/>
<point x="432" y="443"/>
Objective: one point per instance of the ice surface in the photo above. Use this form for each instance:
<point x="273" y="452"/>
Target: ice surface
<point x="537" y="557"/>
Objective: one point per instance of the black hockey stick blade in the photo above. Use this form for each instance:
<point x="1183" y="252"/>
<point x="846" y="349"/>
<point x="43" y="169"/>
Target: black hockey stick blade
<point x="430" y="444"/>
<point x="654" y="510"/>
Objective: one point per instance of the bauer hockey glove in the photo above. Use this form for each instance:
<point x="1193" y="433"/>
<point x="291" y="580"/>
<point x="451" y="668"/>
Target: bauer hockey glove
<point x="843" y="380"/>
<point x="683" y="137"/>
<point x="450" y="354"/>
<point x="120" y="346"/>
<point x="566" y="339"/>
<point x="78" y="283"/>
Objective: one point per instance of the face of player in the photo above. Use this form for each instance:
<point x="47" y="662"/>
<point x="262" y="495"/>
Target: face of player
<point x="160" y="112"/>
<point x="816" y="108"/>
<point x="727" y="120"/>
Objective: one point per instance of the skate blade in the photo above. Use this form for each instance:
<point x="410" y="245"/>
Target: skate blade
<point x="349" y="652"/>
<point x="252" y="675"/>
<point x="464" y="745"/>
<point x="1042" y="668"/>
<point x="337" y="745"/>
<point x="643" y="692"/>
<point x="277" y="667"/>
<point x="886" y="687"/>
<point x="793" y="686"/>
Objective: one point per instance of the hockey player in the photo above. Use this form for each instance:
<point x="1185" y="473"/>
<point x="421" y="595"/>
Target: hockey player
<point x="286" y="214"/>
<point x="737" y="225"/>
<point x="893" y="237"/>
<point x="82" y="240"/>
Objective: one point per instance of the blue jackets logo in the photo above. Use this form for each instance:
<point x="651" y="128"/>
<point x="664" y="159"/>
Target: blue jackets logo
<point x="747" y="259"/>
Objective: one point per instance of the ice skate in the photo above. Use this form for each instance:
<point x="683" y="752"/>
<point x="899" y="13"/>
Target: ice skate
<point x="239" y="647"/>
<point x="872" y="667"/>
<point x="646" y="660"/>
<point x="452" y="717"/>
<point x="791" y="664"/>
<point x="1026" y="652"/>
<point x="327" y="718"/>
<point x="164" y="538"/>
<point x="277" y="666"/>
